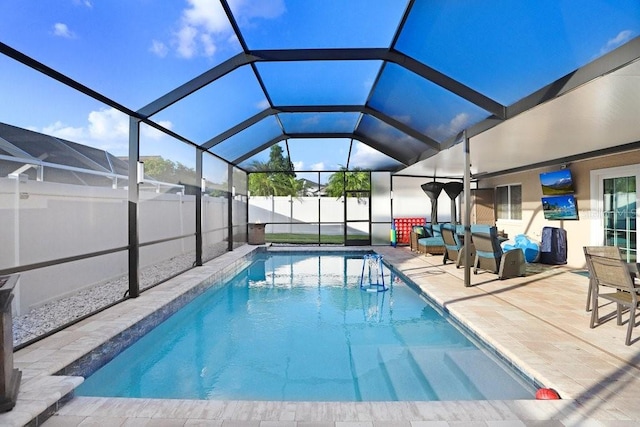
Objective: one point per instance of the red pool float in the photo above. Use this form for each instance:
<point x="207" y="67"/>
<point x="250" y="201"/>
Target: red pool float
<point x="547" y="394"/>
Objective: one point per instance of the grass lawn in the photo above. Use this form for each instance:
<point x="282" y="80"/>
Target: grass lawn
<point x="310" y="238"/>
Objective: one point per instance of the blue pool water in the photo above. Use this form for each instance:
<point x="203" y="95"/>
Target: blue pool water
<point x="298" y="327"/>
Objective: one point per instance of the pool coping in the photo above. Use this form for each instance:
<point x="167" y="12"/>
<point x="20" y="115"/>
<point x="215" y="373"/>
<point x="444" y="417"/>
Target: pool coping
<point x="42" y="393"/>
<point x="53" y="367"/>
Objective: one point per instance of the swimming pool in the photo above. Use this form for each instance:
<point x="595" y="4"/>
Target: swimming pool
<point x="298" y="327"/>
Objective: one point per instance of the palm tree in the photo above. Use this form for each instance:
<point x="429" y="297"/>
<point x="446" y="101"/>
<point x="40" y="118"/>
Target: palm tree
<point x="259" y="182"/>
<point x="346" y="180"/>
<point x="263" y="181"/>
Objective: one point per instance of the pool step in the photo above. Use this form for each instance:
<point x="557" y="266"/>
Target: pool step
<point x="420" y="373"/>
<point x="446" y="383"/>
<point x="488" y="378"/>
<point x="404" y="375"/>
<point x="451" y="370"/>
<point x="372" y="383"/>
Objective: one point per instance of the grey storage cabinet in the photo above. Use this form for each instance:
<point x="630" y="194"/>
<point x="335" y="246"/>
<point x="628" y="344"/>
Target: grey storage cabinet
<point x="256" y="233"/>
<point x="9" y="377"/>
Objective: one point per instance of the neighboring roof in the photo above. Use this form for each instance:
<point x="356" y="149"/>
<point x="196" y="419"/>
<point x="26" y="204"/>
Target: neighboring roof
<point x="60" y="151"/>
<point x="312" y="188"/>
<point x="74" y="159"/>
<point x="530" y="82"/>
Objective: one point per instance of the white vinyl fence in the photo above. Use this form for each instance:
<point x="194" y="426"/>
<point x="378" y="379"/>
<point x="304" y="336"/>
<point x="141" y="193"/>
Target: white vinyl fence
<point x="44" y="221"/>
<point x="294" y="212"/>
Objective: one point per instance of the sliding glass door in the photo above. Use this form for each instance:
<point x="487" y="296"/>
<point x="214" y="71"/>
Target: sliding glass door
<point x="617" y="201"/>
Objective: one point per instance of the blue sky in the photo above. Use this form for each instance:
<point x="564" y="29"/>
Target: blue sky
<point x="134" y="51"/>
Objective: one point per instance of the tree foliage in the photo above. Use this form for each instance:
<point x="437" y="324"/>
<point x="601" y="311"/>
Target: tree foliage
<point x="166" y="170"/>
<point x="268" y="181"/>
<point x="277" y="161"/>
<point x="346" y="180"/>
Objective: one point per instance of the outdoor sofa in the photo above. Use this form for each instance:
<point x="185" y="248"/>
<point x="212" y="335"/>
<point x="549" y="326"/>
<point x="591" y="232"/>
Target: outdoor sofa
<point x="427" y="239"/>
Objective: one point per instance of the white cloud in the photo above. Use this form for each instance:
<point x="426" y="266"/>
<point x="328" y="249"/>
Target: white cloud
<point x="86" y="3"/>
<point x="621" y="38"/>
<point x="207" y="15"/>
<point x="298" y="166"/>
<point x="108" y="124"/>
<point x="62" y="30"/>
<point x="250" y="9"/>
<point x="202" y="23"/>
<point x="186" y="41"/>
<point x="106" y="129"/>
<point x="445" y="130"/>
<point x="232" y="40"/>
<point x="63" y="131"/>
<point x="158" y="48"/>
<point x="318" y="166"/>
<point x="263" y="105"/>
<point x="208" y="44"/>
<point x="153" y="133"/>
<point x="459" y="122"/>
<point x="365" y="155"/>
<point x="311" y="121"/>
<point x="406" y="119"/>
<point x="204" y="27"/>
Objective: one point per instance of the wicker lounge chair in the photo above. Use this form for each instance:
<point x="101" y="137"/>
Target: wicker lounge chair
<point x="612" y="282"/>
<point x="432" y="244"/>
<point x="413" y="241"/>
<point x="490" y="257"/>
<point x="452" y="243"/>
<point x="416" y="233"/>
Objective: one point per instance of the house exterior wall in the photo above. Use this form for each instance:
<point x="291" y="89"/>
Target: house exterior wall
<point x="410" y="201"/>
<point x="579" y="232"/>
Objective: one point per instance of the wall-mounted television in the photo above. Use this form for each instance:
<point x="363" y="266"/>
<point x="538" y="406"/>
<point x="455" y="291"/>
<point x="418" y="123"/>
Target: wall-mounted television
<point x="560" y="207"/>
<point x="556" y="182"/>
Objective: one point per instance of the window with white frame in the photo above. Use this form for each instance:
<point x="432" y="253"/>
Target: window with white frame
<point x="509" y="201"/>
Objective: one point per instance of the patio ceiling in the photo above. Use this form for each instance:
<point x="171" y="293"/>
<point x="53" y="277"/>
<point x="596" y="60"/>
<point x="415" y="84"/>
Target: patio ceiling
<point x="529" y="83"/>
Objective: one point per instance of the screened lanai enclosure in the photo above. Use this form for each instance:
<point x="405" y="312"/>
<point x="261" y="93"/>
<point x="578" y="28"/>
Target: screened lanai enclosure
<point x="139" y="140"/>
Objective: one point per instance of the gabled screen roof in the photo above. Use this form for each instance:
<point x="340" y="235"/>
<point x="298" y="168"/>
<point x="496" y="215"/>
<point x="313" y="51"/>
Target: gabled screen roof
<point x="401" y="79"/>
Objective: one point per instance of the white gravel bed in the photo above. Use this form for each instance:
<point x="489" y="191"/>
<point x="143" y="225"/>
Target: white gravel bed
<point x="55" y="314"/>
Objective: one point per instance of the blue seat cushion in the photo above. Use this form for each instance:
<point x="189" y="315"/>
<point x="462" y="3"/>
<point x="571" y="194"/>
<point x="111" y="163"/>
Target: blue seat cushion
<point x="492" y="232"/>
<point x="431" y="241"/>
<point x="428" y="229"/>
<point x="436" y="230"/>
<point x="483" y="228"/>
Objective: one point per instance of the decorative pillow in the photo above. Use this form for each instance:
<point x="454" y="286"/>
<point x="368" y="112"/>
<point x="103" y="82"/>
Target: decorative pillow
<point x="420" y="231"/>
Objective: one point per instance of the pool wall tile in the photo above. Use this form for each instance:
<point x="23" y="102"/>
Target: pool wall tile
<point x="160" y="302"/>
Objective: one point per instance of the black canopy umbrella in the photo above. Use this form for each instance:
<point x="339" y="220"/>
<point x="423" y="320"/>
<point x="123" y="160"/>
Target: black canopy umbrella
<point x="453" y="190"/>
<point x="432" y="190"/>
